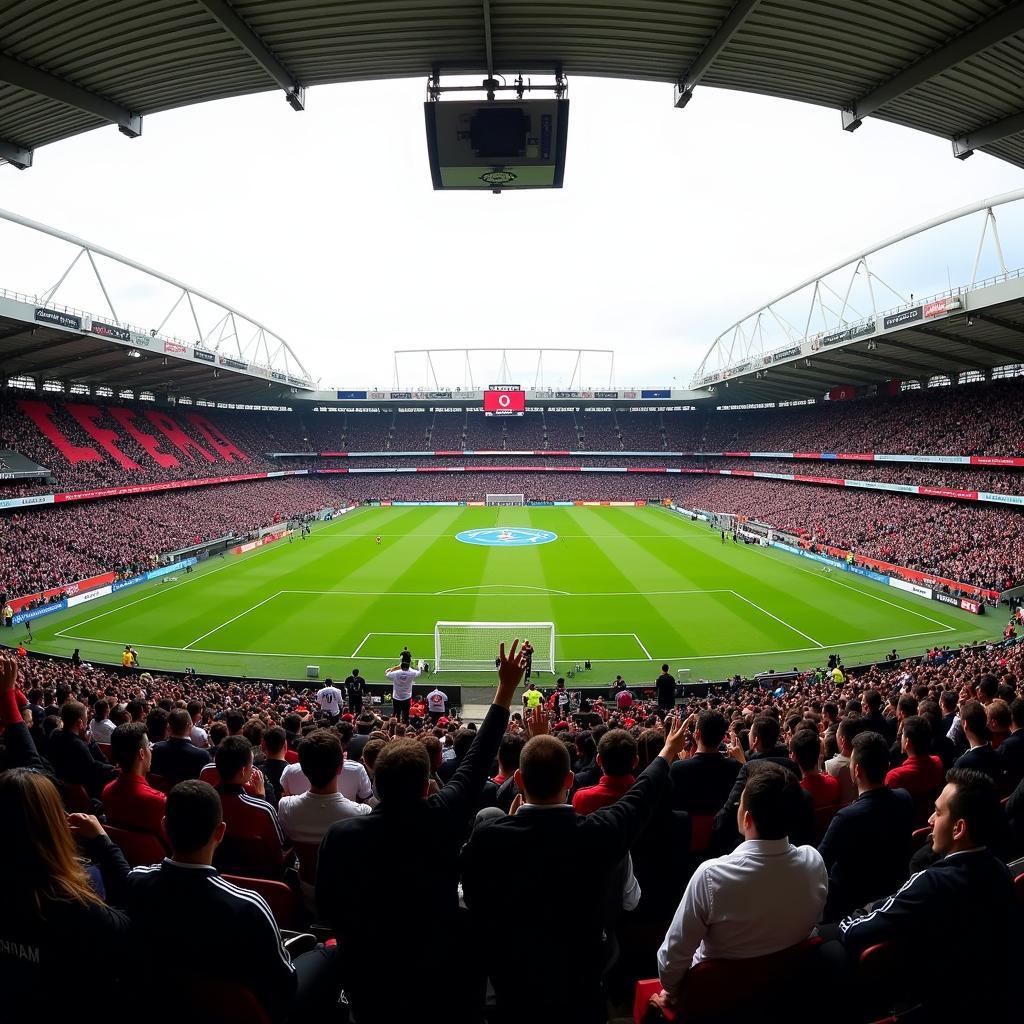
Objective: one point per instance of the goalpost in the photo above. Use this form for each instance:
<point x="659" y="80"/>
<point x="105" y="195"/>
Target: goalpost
<point x="505" y="499"/>
<point x="473" y="646"/>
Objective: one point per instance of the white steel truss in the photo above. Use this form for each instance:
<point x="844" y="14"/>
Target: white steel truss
<point x="845" y="296"/>
<point x="207" y="322"/>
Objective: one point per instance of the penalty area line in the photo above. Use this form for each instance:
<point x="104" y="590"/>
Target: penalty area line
<point x="777" y="619"/>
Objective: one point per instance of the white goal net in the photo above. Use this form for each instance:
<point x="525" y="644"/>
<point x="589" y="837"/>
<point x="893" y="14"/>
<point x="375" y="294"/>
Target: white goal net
<point x="505" y="499"/>
<point x="473" y="646"/>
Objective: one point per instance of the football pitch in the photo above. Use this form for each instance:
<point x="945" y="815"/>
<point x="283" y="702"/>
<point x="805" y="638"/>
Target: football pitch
<point x="627" y="588"/>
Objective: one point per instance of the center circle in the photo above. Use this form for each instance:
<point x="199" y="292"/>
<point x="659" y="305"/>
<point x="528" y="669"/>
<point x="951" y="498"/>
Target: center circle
<point x="506" y="537"/>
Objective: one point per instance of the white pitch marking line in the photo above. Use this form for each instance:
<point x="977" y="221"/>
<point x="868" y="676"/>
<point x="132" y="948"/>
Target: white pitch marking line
<point x="777" y="619"/>
<point x="502" y="586"/>
<point x="234" y="618"/>
<point x="360" y="647"/>
<point x="867" y="593"/>
<point x="642" y="648"/>
<point x="683" y="657"/>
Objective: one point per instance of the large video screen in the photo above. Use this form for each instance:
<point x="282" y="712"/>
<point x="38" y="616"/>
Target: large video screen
<point x="499" y="401"/>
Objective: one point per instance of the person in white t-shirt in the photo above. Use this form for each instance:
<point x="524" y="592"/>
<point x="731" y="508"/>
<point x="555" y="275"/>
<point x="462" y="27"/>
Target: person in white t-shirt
<point x="401" y="678"/>
<point x="306" y="818"/>
<point x="353" y="782"/>
<point x="437" y="704"/>
<point x="331" y="700"/>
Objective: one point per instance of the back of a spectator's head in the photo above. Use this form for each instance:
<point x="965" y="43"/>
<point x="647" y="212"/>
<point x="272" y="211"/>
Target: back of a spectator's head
<point x="999" y="716"/>
<point x="71" y="713"/>
<point x="543" y="771"/>
<point x="364" y="724"/>
<point x="193" y="817"/>
<point x="509" y="751"/>
<point x="974" y="718"/>
<point x="850" y="727"/>
<point x="765" y="730"/>
<point x="218" y="731"/>
<point x="402" y="772"/>
<point x="233" y="756"/>
<point x="371" y="751"/>
<point x="907" y="705"/>
<point x="234" y="721"/>
<point x="769" y="799"/>
<point x="321" y="757"/>
<point x="125" y="743"/>
<point x="831" y="709"/>
<point x="870" y="757"/>
<point x="712" y="726"/>
<point x="988" y="686"/>
<point x="973" y="816"/>
<point x="433" y="747"/>
<point x="275" y="740"/>
<point x="179" y="723"/>
<point x="872" y="700"/>
<point x="463" y="741"/>
<point x="291" y="722"/>
<point x="947" y="701"/>
<point x="1017" y="713"/>
<point x="156" y="725"/>
<point x="101" y="709"/>
<point x="253" y="731"/>
<point x="917" y="731"/>
<point x="136" y="709"/>
<point x="617" y="753"/>
<point x="194" y="707"/>
<point x="805" y="747"/>
<point x="344" y="730"/>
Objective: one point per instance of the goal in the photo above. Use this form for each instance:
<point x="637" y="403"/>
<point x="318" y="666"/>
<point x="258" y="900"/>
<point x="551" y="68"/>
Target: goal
<point x="473" y="646"/>
<point x="505" y="499"/>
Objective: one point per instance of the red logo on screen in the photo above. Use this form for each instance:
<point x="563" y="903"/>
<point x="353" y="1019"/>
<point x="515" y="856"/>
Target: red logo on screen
<point x="507" y="402"/>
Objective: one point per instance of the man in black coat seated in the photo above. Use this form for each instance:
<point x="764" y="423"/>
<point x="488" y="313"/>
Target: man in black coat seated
<point x="73" y="759"/>
<point x="544" y="830"/>
<point x="866" y="848"/>
<point x="764" y="746"/>
<point x="177" y="758"/>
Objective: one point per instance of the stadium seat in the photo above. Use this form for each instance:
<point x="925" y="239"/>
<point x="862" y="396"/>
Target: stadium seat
<point x="920" y="837"/>
<point x="1018" y="888"/>
<point x="726" y="990"/>
<point x="822" y="817"/>
<point x="104" y="749"/>
<point x="160" y="782"/>
<point x="283" y="902"/>
<point x="250" y="856"/>
<point x="222" y="1001"/>
<point x="76" y="798"/>
<point x="701" y="827"/>
<point x="139" y="848"/>
<point x="885" y="987"/>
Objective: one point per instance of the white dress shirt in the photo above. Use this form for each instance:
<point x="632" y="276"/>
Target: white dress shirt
<point x="353" y="783"/>
<point x="100" y="731"/>
<point x="765" y="896"/>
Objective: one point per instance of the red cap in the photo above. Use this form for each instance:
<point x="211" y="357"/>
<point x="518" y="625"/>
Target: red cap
<point x="347" y="717"/>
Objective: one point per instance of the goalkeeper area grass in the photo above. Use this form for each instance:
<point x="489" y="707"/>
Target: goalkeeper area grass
<point x="627" y="588"/>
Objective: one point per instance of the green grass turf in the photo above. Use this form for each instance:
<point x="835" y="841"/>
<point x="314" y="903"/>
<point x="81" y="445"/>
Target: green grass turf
<point x="612" y="573"/>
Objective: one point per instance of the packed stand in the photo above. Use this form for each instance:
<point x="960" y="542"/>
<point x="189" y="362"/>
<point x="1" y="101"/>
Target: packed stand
<point x="982" y="545"/>
<point x="836" y="834"/>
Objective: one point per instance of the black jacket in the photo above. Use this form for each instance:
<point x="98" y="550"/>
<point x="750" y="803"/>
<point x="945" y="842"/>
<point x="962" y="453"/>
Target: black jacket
<point x="1011" y="759"/>
<point x="801" y="826"/>
<point x="405" y="847"/>
<point x="982" y="759"/>
<point x="190" y="920"/>
<point x="866" y="849"/>
<point x="177" y="759"/>
<point x="565" y="940"/>
<point x="701" y="784"/>
<point x="960" y="912"/>
<point x="76" y="761"/>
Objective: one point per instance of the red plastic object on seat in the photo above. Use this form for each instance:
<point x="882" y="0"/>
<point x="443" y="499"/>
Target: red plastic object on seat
<point x="139" y="848"/>
<point x="642" y="1000"/>
<point x="701" y="827"/>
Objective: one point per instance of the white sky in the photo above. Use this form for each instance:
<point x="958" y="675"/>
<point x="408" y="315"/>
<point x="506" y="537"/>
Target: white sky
<point x="671" y="225"/>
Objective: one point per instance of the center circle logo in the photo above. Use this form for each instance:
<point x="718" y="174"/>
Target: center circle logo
<point x="506" y="537"/>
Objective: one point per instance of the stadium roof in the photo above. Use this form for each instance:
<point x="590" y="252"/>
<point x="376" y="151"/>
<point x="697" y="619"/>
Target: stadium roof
<point x="953" y="68"/>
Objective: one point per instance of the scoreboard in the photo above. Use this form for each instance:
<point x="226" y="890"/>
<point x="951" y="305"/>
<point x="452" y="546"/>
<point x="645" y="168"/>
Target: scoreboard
<point x="504" y="400"/>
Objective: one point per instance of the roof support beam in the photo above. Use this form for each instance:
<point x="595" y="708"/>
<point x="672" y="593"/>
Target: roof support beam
<point x="984" y="346"/>
<point x="965" y="145"/>
<point x="15" y="155"/>
<point x="235" y="25"/>
<point x="928" y="353"/>
<point x="1006" y="23"/>
<point x="42" y="83"/>
<point x="714" y="46"/>
<point x="997" y="321"/>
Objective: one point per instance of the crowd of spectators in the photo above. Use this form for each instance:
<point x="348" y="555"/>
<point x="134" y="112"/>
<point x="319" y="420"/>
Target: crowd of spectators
<point x="982" y="545"/>
<point x="757" y="821"/>
<point x="42" y="548"/>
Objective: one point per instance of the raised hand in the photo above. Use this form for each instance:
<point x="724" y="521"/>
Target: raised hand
<point x="85" y="826"/>
<point x="675" y="738"/>
<point x="537" y="724"/>
<point x="8" y="674"/>
<point x="511" y="668"/>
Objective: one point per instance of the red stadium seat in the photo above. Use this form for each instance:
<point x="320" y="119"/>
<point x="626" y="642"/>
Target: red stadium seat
<point x="104" y="749"/>
<point x="76" y="798"/>
<point x="1018" y="888"/>
<point x="139" y="848"/>
<point x="283" y="902"/>
<point x="160" y="782"/>
<point x="222" y="1001"/>
<point x="701" y="827"/>
<point x="726" y="990"/>
<point x="920" y="837"/>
